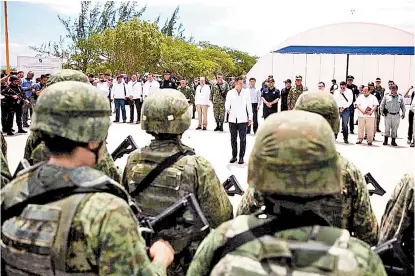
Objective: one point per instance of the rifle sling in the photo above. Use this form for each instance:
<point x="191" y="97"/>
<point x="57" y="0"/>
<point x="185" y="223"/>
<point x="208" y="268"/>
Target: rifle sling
<point x="51" y="196"/>
<point x="149" y="178"/>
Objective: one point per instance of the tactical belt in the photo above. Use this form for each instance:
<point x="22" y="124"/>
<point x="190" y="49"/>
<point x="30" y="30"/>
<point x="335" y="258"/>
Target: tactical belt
<point x="149" y="178"/>
<point x="394" y="113"/>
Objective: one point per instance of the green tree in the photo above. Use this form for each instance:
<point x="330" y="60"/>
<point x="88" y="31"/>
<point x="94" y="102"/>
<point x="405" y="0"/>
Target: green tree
<point x="76" y="49"/>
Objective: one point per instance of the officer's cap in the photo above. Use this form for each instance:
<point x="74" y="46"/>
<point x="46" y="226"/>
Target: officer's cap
<point x="298" y="77"/>
<point x="350" y="77"/>
<point x="377" y="79"/>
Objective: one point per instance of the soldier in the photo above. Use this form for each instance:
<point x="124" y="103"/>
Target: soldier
<point x="187" y="92"/>
<point x="5" y="171"/>
<point x="357" y="216"/>
<point x="165" y="117"/>
<point x="218" y="96"/>
<point x="295" y="92"/>
<point x="77" y="219"/>
<point x="381" y="92"/>
<point x="295" y="166"/>
<point x="390" y="106"/>
<point x="35" y="150"/>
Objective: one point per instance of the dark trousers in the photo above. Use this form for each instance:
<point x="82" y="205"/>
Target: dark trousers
<point x="14" y="109"/>
<point x="254" y="118"/>
<point x="120" y="104"/>
<point x="351" y="119"/>
<point x="4" y="114"/>
<point x="137" y="103"/>
<point x="194" y="110"/>
<point x="345" y="116"/>
<point x="236" y="128"/>
<point x="411" y="124"/>
<point x="267" y="111"/>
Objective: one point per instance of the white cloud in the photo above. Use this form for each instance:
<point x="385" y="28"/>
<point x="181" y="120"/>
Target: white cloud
<point x="15" y="50"/>
<point x="68" y="7"/>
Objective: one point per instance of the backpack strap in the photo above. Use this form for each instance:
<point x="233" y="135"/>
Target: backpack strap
<point x="149" y="178"/>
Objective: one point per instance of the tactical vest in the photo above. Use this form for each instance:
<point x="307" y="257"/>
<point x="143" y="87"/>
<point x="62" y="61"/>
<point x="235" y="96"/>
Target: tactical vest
<point x="306" y="251"/>
<point x="169" y="186"/>
<point x="36" y="237"/>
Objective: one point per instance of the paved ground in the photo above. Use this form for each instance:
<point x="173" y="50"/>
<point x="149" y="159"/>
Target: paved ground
<point x="387" y="164"/>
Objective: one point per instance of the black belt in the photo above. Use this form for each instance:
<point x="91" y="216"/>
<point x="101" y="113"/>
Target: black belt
<point x="393" y="113"/>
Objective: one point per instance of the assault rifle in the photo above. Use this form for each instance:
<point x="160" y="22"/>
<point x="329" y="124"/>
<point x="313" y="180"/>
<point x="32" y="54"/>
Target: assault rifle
<point x="232" y="182"/>
<point x="393" y="258"/>
<point x="378" y="189"/>
<point x="23" y="165"/>
<point x="185" y="212"/>
<point x="126" y="147"/>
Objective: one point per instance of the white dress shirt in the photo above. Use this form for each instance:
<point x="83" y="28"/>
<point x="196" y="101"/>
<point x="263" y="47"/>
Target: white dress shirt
<point x="239" y="106"/>
<point x="117" y="90"/>
<point x="202" y="94"/>
<point x="364" y="102"/>
<point x="340" y="100"/>
<point x="135" y="90"/>
<point x="255" y="95"/>
<point x="150" y="87"/>
<point x="103" y="86"/>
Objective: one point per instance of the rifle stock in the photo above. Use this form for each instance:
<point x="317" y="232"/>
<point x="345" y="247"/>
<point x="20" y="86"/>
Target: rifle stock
<point x="23" y="165"/>
<point x="393" y="257"/>
<point x="378" y="189"/>
<point x="174" y="215"/>
<point x="126" y="147"/>
<point x="233" y="182"/>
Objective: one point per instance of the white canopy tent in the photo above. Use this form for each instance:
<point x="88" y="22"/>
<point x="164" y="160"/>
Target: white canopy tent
<point x="364" y="50"/>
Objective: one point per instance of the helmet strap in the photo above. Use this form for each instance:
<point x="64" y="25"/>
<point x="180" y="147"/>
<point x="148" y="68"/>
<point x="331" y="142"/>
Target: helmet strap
<point x="96" y="151"/>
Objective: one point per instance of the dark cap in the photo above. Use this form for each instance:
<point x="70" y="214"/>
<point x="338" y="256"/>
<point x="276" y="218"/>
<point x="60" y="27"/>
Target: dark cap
<point x="298" y="77"/>
<point x="13" y="78"/>
<point x="342" y="83"/>
<point x="270" y="76"/>
<point x="333" y="80"/>
<point x="377" y="79"/>
<point x="394" y="86"/>
<point x="350" y="77"/>
<point x="370" y="83"/>
<point x="391" y="81"/>
<point x="287" y="80"/>
<point x="167" y="72"/>
<point x="271" y="80"/>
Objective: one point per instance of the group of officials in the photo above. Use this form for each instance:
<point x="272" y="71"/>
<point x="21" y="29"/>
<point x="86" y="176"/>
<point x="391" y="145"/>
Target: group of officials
<point x="298" y="216"/>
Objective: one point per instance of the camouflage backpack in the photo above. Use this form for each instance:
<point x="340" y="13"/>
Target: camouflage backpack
<point x="306" y="251"/>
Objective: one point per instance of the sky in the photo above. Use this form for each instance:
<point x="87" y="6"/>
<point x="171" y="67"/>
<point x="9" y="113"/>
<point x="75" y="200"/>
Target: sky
<point x="255" y="27"/>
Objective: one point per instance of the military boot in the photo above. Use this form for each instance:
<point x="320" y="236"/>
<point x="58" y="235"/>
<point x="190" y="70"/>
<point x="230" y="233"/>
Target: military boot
<point x="220" y="126"/>
<point x="217" y="126"/>
<point x="393" y="142"/>
<point x="386" y="141"/>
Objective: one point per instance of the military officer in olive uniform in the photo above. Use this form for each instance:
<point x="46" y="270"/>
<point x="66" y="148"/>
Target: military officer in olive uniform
<point x="218" y="97"/>
<point x="390" y="107"/>
<point x="188" y="92"/>
<point x="165" y="116"/>
<point x="295" y="92"/>
<point x="381" y="92"/>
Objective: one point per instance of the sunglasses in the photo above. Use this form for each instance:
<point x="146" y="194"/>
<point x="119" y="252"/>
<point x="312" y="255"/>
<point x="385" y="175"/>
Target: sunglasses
<point x="320" y="86"/>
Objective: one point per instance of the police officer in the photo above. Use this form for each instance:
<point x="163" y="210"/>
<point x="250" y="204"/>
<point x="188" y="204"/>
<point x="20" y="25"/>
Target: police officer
<point x="355" y="90"/>
<point x="167" y="82"/>
<point x="15" y="98"/>
<point x="270" y="97"/>
<point x="165" y="116"/>
<point x="77" y="219"/>
<point x="35" y="150"/>
<point x="357" y="216"/>
<point x="301" y="187"/>
<point x="390" y="106"/>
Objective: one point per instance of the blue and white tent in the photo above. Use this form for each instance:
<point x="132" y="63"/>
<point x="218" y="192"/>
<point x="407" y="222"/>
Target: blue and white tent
<point x="364" y="50"/>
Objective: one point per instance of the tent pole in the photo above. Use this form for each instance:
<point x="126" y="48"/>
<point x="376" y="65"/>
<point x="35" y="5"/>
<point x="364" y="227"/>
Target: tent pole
<point x="272" y="65"/>
<point x="347" y="66"/>
<point x="319" y="74"/>
<point x="334" y="65"/>
<point x="305" y="81"/>
<point x="394" y="56"/>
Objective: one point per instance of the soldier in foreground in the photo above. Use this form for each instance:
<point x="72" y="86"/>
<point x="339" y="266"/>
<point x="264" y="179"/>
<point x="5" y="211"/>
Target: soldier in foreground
<point x="35" y="150"/>
<point x="357" y="213"/>
<point x="166" y="117"/>
<point x="6" y="177"/>
<point x="92" y="232"/>
<point x="295" y="166"/>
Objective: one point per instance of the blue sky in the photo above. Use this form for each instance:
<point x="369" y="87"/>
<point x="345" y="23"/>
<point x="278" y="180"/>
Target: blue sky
<point x="255" y="27"/>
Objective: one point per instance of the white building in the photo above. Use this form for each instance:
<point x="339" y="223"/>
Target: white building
<point x="321" y="54"/>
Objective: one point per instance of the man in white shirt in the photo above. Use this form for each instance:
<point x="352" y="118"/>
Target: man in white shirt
<point x="411" y="114"/>
<point x="255" y="102"/>
<point x="202" y="96"/>
<point x="344" y="99"/>
<point x="366" y="104"/>
<point x="119" y="93"/>
<point x="150" y="86"/>
<point x="104" y="85"/>
<point x="238" y="105"/>
<point x="135" y="94"/>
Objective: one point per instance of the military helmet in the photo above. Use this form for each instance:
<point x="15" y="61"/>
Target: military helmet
<point x="67" y="75"/>
<point x="73" y="110"/>
<point x="322" y="103"/>
<point x="166" y="111"/>
<point x="294" y="154"/>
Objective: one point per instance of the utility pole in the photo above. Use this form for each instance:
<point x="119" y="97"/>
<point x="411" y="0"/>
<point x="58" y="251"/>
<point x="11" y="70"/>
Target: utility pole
<point x="6" y="38"/>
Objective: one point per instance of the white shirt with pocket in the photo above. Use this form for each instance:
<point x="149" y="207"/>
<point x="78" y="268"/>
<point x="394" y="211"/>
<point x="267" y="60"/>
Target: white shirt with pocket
<point x="345" y="101"/>
<point x="239" y="106"/>
<point x="202" y="95"/>
<point x="364" y="102"/>
<point x="135" y="90"/>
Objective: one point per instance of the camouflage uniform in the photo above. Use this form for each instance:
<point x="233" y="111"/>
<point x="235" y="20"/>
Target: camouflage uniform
<point x="93" y="233"/>
<point x="218" y="97"/>
<point x="399" y="209"/>
<point x="188" y="93"/>
<point x="166" y="114"/>
<point x="381" y="92"/>
<point x="286" y="166"/>
<point x="3" y="144"/>
<point x="358" y="216"/>
<point x="6" y="177"/>
<point x="35" y="150"/>
<point x="293" y="95"/>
